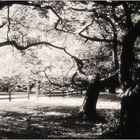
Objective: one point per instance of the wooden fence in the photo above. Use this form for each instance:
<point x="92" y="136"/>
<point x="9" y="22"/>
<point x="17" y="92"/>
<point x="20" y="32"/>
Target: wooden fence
<point x="23" y="90"/>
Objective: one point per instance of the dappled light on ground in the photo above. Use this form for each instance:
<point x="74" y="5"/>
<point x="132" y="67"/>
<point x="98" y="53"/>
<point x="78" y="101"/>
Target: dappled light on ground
<point x="105" y="101"/>
<point x="55" y="117"/>
<point x="52" y="113"/>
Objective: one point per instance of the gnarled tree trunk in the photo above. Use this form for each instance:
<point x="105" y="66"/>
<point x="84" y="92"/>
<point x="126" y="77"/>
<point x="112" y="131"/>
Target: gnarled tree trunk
<point x="127" y="56"/>
<point x="92" y="93"/>
<point x="90" y="101"/>
<point x="130" y="112"/>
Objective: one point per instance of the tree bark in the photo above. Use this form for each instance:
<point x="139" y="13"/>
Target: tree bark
<point x="115" y="56"/>
<point x="88" y="108"/>
<point x="90" y="101"/>
<point x="127" y="56"/>
<point x="130" y="114"/>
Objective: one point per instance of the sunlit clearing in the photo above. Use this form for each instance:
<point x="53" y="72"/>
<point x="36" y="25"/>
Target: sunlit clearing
<point x="52" y="113"/>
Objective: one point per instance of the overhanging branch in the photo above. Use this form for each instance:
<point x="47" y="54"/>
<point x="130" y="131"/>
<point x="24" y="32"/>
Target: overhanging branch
<point x="78" y="61"/>
<point x="54" y="83"/>
<point x="3" y="24"/>
<point x="104" y="17"/>
<point x="98" y="39"/>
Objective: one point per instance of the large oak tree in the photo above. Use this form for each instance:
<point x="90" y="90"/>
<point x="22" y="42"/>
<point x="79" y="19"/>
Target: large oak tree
<point x="114" y="24"/>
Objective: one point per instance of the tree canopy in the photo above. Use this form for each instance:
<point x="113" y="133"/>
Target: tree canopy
<point x="92" y="28"/>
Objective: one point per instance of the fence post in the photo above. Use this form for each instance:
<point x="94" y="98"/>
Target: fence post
<point x="37" y="89"/>
<point x="67" y="92"/>
<point x="28" y="90"/>
<point x="9" y="91"/>
<point x="63" y="90"/>
<point x="77" y="88"/>
<point x="49" y="89"/>
<point x="81" y="91"/>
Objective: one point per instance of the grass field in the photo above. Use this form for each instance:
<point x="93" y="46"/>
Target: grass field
<point x="55" y="117"/>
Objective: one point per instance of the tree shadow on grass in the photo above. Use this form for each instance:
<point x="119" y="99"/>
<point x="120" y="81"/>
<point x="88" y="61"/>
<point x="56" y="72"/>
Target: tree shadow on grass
<point x="54" y="122"/>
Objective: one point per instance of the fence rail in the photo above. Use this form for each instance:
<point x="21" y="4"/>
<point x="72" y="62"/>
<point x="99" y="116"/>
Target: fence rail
<point x="25" y="91"/>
